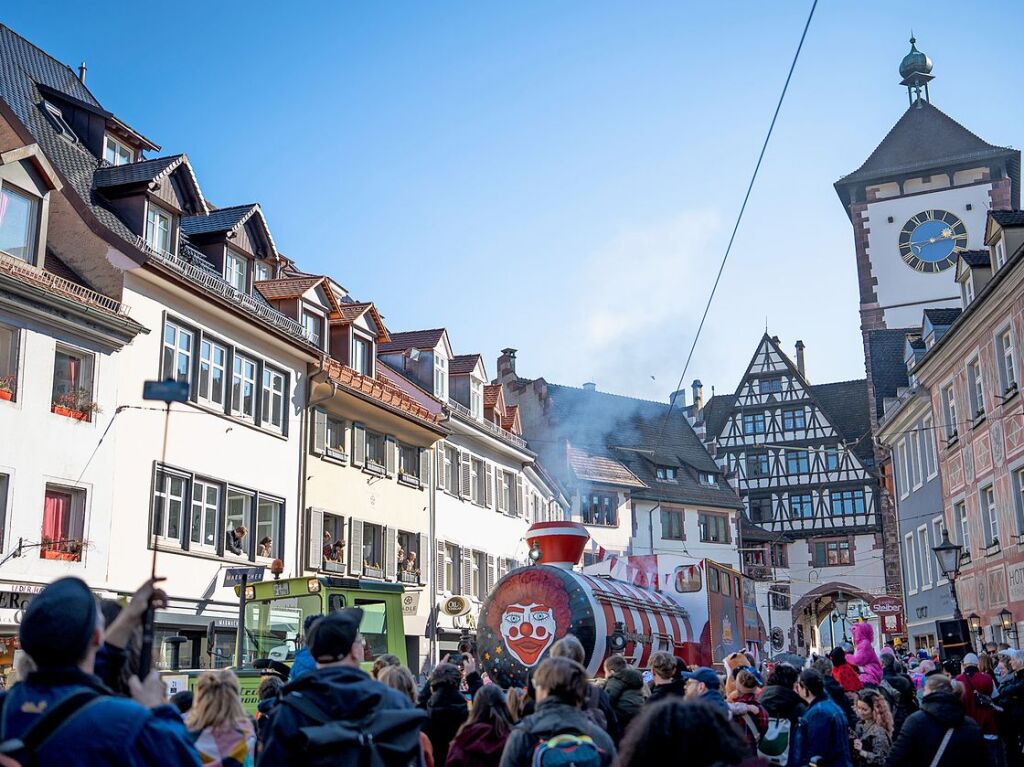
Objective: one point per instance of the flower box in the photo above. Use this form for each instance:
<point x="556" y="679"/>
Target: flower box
<point x="77" y="415"/>
<point x="64" y="556"/>
<point x="6" y="395"/>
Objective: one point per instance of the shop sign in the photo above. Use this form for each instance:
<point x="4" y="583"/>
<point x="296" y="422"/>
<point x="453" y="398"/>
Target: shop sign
<point x="1015" y="575"/>
<point x="410" y="602"/>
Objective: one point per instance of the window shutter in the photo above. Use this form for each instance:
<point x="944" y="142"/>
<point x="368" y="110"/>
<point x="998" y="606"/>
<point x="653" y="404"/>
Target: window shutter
<point x="489" y="575"/>
<point x="390" y="553"/>
<point x="423" y="542"/>
<point x="358" y="447"/>
<point x="518" y="501"/>
<point x="319" y="431"/>
<point x="439" y="464"/>
<point x="489" y="486"/>
<point x="390" y="446"/>
<point x="315" y="541"/>
<point x="465" y="490"/>
<point x="467" y="570"/>
<point x="439" y="584"/>
<point x="424" y="467"/>
<point x="355" y="546"/>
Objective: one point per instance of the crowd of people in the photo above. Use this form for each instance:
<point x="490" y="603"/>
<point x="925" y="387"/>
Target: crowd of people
<point x="79" y="701"/>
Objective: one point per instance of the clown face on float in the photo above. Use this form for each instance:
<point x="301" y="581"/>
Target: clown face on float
<point x="528" y="630"/>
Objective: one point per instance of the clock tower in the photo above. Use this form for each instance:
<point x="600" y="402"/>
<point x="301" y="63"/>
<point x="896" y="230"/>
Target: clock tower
<point x="921" y="198"/>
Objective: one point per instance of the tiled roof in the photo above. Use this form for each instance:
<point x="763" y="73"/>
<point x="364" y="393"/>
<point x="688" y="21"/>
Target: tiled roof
<point x="977" y="258"/>
<point x="135" y="172"/>
<point x="888" y="368"/>
<point x="846" y="405"/>
<point x="923" y="137"/>
<point x="352" y="312"/>
<point x="942" y="317"/>
<point x="1008" y="218"/>
<point x="752" y="533"/>
<point x="508" y="421"/>
<point x="413" y="339"/>
<point x="219" y="220"/>
<point x="349" y="312"/>
<point x="286" y="288"/>
<point x="600" y="468"/>
<point x="381" y="390"/>
<point x="61" y="285"/>
<point x="716" y="412"/>
<point x="463" y="364"/>
<point x="491" y="392"/>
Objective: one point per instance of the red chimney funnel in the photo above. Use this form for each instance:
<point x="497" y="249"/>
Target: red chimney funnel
<point x="560" y="544"/>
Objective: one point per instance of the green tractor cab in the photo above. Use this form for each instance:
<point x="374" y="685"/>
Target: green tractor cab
<point x="274" y="614"/>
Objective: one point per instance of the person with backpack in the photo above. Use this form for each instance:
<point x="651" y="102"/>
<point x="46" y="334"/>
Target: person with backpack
<point x="223" y="733"/>
<point x="978" y="689"/>
<point x="62" y="713"/>
<point x="481" y="739"/>
<point x="939" y="735"/>
<point x="624" y="686"/>
<point x="447" y="709"/>
<point x="597" y="705"/>
<point x="698" y="734"/>
<point x="784" y="709"/>
<point x="337" y="715"/>
<point x="558" y="732"/>
<point x="746" y="710"/>
<point x="400" y="678"/>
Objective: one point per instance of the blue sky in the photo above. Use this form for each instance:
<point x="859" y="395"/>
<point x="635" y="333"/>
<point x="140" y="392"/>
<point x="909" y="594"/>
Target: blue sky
<point x="556" y="177"/>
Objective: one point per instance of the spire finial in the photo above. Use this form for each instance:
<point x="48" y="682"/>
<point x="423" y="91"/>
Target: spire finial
<point x="915" y="69"/>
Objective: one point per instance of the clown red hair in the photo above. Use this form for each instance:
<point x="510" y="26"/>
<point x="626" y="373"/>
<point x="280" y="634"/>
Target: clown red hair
<point x="532" y="585"/>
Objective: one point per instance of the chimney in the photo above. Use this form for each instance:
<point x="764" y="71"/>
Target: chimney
<point x="82" y="69"/>
<point x="590" y="386"/>
<point x="678" y="398"/>
<point x="698" y="398"/>
<point x="800" y="358"/>
<point x="507" y="364"/>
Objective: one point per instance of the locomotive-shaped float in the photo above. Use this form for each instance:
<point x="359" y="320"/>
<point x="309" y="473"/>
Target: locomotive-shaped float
<point x="697" y="610"/>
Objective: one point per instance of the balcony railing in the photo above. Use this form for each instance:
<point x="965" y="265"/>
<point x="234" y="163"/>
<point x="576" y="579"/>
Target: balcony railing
<point x="49" y="281"/>
<point x="757" y="572"/>
<point x="221" y="287"/>
<point x="487" y="426"/>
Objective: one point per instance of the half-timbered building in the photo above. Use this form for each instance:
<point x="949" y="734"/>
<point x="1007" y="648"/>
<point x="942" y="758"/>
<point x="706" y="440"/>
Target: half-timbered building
<point x="800" y="456"/>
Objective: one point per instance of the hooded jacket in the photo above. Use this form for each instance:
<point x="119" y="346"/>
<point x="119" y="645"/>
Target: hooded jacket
<point x="478" y="745"/>
<point x="922" y="734"/>
<point x="660" y="692"/>
<point x="553" y="717"/>
<point x="344" y="693"/>
<point x="978" y="681"/>
<point x="447" y="709"/>
<point x="783" y="703"/>
<point x="625" y="691"/>
<point x="823" y="732"/>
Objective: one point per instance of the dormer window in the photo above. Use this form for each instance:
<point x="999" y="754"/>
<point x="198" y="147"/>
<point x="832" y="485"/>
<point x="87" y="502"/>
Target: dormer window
<point x="262" y="271"/>
<point x="666" y="473"/>
<point x="707" y="480"/>
<point x="968" y="289"/>
<point x="116" y="153"/>
<point x="440" y="376"/>
<point x="362" y="355"/>
<point x="1000" y="253"/>
<point x="56" y="118"/>
<point x="158" y="228"/>
<point x="476" y="398"/>
<point x="19" y="216"/>
<point x="314" y="325"/>
<point x="235" y="268"/>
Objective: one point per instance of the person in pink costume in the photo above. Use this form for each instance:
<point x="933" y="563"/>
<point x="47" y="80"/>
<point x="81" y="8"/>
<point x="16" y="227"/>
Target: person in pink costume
<point x="865" y="656"/>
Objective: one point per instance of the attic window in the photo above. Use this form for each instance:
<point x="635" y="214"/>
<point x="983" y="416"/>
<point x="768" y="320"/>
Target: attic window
<point x="116" y="153"/>
<point x="707" y="479"/>
<point x="666" y="473"/>
<point x="56" y="118"/>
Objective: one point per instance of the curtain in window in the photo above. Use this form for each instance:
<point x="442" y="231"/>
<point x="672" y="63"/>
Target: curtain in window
<point x="56" y="515"/>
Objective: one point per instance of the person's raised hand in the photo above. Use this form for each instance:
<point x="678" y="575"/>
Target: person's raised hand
<point x="151" y="693"/>
<point x="469" y="666"/>
<point x="130" y="617"/>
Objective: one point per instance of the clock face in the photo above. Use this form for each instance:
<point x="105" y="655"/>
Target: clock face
<point x="931" y="240"/>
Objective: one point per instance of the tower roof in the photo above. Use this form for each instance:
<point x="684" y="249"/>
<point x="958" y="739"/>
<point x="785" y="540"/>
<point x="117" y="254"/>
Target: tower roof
<point x="915" y="62"/>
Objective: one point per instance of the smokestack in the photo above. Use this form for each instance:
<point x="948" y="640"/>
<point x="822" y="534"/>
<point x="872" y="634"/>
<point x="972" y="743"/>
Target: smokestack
<point x="82" y="69"/>
<point x="507" y="364"/>
<point x="698" y="397"/>
<point x="590" y="386"/>
<point x="800" y="358"/>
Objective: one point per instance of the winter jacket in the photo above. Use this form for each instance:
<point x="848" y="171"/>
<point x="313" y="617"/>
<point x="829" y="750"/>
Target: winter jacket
<point x="553" y="717"/>
<point x="782" y="703"/>
<point x="478" y="745"/>
<point x="847" y="677"/>
<point x="109" y="731"/>
<point x="865" y="657"/>
<point x="978" y="681"/>
<point x="227" y="746"/>
<point x="344" y="693"/>
<point x="922" y="734"/>
<point x="1011" y="720"/>
<point x="901" y="693"/>
<point x="302" y="663"/>
<point x="822" y="733"/>
<point x="660" y="692"/>
<point x="447" y="709"/>
<point x="716" y="699"/>
<point x="598" y="701"/>
<point x="874" y="743"/>
<point x="835" y="692"/>
<point x="625" y="692"/>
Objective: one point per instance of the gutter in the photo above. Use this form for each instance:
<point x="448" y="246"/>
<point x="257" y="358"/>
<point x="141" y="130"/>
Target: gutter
<point x="311" y="381"/>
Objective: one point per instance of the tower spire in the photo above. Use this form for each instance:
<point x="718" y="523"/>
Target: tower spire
<point x="915" y="69"/>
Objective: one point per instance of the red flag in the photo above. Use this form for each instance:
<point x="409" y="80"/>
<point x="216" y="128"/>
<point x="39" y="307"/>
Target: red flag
<point x="600" y="553"/>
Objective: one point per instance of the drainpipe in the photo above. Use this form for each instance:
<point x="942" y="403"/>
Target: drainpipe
<point x="311" y="381"/>
<point x="432" y="581"/>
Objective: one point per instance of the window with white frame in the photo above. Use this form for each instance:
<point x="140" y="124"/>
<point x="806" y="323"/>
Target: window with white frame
<point x="19" y="223"/>
<point x="235" y="270"/>
<point x="924" y="548"/>
<point x="976" y="388"/>
<point x="1017" y="478"/>
<point x="314" y="326"/>
<point x="238" y="517"/>
<point x="8" y="363"/>
<point x="452" y="469"/>
<point x="5" y="482"/>
<point x="911" y="562"/>
<point x="476" y="398"/>
<point x="914" y="456"/>
<point x="117" y="153"/>
<point x="63" y="523"/>
<point x="451" y="569"/>
<point x="243" y="386"/>
<point x="989" y="514"/>
<point x="927" y="435"/>
<point x="268" y="523"/>
<point x="960" y="520"/>
<point x="1000" y="252"/>
<point x="440" y="376"/>
<point x="375" y="447"/>
<point x="205" y="510"/>
<point x="362" y="358"/>
<point x="936" y="540"/>
<point x="72" y="393"/>
<point x="262" y="271"/>
<point x="335" y="443"/>
<point x="1006" y="363"/>
<point x="949" y="412"/>
<point x="478" y="481"/>
<point x="408" y="461"/>
<point x="213" y="371"/>
<point x="507" y="491"/>
<point x="169" y="505"/>
<point x="902" y="475"/>
<point x="968" y="289"/>
<point x="158" y="228"/>
<point x="479" y="568"/>
<point x="179" y="343"/>
<point x="274" y="389"/>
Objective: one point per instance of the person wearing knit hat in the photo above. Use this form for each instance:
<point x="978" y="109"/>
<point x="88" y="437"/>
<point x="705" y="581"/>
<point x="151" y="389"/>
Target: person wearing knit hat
<point x="63" y="630"/>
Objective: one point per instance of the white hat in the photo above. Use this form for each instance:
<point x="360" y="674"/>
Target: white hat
<point x="970" y="659"/>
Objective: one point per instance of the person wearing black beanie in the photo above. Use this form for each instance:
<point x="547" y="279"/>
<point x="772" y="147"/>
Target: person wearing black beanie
<point x="63" y="630"/>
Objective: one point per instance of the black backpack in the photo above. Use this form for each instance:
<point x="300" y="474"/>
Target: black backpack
<point x="24" y="751"/>
<point x="380" y="737"/>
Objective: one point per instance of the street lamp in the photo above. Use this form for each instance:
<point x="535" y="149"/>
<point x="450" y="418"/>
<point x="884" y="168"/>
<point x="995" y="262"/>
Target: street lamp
<point x="975" y="623"/>
<point x="1006" y="619"/>
<point x="948" y="554"/>
<point x="842" y="603"/>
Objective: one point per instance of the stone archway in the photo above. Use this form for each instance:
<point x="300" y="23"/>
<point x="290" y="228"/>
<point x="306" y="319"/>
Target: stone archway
<point x="818" y="603"/>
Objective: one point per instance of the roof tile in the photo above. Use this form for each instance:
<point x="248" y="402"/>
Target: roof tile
<point x="601" y="468"/>
<point x="463" y="364"/>
<point x="382" y="390"/>
<point x="135" y="172"/>
<point x="286" y="288"/>
<point x="413" y="339"/>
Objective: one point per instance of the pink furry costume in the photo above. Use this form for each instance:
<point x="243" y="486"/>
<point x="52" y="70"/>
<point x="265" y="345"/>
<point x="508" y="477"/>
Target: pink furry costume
<point x="865" y="656"/>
